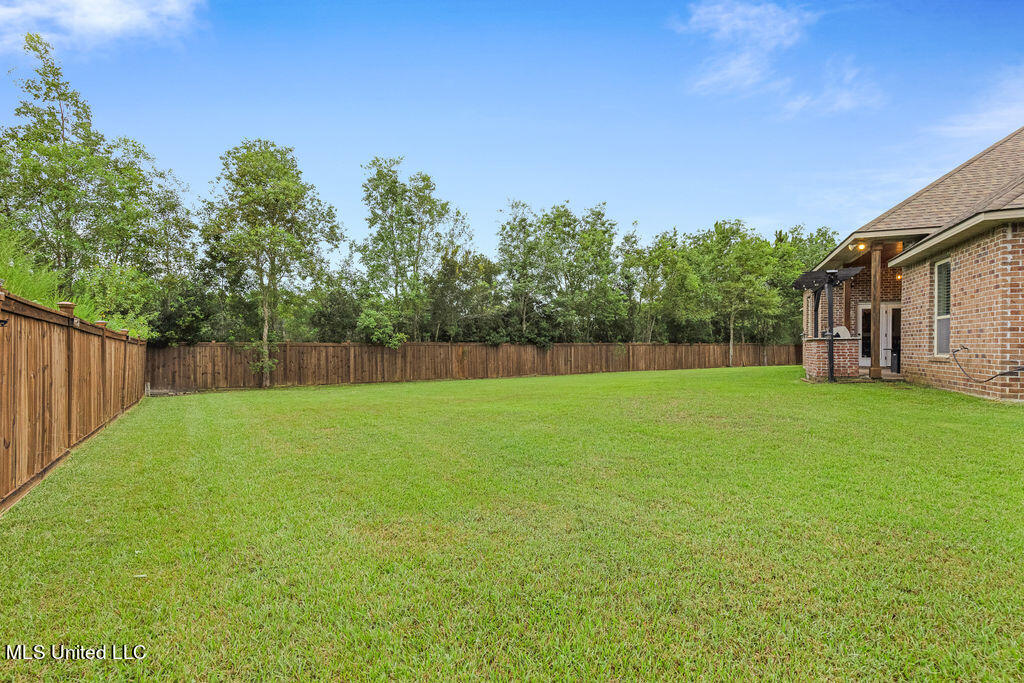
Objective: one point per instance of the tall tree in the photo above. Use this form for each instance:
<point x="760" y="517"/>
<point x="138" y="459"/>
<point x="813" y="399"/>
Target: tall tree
<point x="522" y="260"/>
<point x="464" y="301"/>
<point x="335" y="305"/>
<point x="581" y="271"/>
<point x="660" y="284"/>
<point x="736" y="266"/>
<point x="267" y="227"/>
<point x="88" y="201"/>
<point x="410" y="229"/>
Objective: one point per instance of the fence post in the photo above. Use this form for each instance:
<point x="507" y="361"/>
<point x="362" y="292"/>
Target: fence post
<point x="124" y="374"/>
<point x="103" y="369"/>
<point x="68" y="309"/>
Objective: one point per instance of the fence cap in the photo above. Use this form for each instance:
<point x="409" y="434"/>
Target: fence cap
<point x="66" y="307"/>
<point x="100" y="323"/>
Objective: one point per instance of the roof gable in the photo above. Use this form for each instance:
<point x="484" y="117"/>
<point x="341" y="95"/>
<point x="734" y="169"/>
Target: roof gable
<point x="992" y="176"/>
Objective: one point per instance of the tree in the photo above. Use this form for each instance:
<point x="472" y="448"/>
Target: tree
<point x="184" y="305"/>
<point x="660" y="284"/>
<point x="736" y="265"/>
<point x="335" y="306"/>
<point x="522" y="260"/>
<point x="87" y="201"/>
<point x="580" y="270"/>
<point x="267" y="227"/>
<point x="335" y="314"/>
<point x="464" y="302"/>
<point x="410" y="229"/>
<point x="120" y="292"/>
<point x="24" y="274"/>
<point x="795" y="251"/>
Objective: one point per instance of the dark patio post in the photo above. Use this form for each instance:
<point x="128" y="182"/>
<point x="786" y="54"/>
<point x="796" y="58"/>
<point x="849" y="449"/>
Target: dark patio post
<point x="831" y="327"/>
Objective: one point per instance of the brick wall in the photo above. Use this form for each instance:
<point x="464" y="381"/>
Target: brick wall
<point x="846" y="358"/>
<point x="986" y="315"/>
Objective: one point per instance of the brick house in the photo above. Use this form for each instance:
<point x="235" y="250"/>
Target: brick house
<point x="942" y="269"/>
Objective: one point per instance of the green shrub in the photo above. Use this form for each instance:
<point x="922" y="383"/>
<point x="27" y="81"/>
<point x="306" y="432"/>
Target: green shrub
<point x="25" y="276"/>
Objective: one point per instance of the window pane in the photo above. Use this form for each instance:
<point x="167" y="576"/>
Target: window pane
<point x="942" y="335"/>
<point x="942" y="289"/>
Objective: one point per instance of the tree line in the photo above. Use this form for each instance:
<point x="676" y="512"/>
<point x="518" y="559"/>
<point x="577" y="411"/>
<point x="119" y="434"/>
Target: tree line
<point x="262" y="258"/>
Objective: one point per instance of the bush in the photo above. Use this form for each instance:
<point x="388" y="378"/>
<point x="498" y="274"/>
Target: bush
<point x="29" y="278"/>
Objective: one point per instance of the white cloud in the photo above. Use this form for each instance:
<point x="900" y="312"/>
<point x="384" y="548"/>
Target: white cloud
<point x="844" y="89"/>
<point x="764" y="26"/>
<point x="1000" y="111"/>
<point x="748" y="38"/>
<point x="747" y="35"/>
<point x="741" y="71"/>
<point x="91" y="21"/>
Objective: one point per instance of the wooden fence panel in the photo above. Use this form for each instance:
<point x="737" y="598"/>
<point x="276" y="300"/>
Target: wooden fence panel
<point x="61" y="379"/>
<point x="226" y="366"/>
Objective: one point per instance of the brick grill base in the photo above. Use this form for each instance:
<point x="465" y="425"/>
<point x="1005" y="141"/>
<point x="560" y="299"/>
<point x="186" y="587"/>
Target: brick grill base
<point x="847" y="358"/>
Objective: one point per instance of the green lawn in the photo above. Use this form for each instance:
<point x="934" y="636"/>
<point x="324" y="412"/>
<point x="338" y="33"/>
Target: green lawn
<point x="720" y="522"/>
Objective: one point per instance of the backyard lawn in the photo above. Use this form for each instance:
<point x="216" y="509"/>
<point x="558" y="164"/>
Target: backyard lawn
<point x="723" y="522"/>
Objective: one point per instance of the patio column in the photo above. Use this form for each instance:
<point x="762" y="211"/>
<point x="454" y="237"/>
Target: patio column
<point x="875" y="371"/>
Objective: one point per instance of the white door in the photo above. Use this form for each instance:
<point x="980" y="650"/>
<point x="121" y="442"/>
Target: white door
<point x="886" y="336"/>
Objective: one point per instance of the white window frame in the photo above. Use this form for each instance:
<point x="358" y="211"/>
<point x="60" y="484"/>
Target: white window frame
<point x="935" y="307"/>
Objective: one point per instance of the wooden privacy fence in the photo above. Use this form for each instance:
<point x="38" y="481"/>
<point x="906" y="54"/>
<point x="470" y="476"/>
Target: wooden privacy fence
<point x="218" y="365"/>
<point x="61" y="380"/>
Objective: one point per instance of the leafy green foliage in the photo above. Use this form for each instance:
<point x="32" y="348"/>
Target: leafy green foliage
<point x="735" y="265"/>
<point x="381" y="322"/>
<point x="87" y="200"/>
<point x="186" y="307"/>
<point x="463" y="295"/>
<point x="25" y="276"/>
<point x="795" y="251"/>
<point x="266" y="226"/>
<point x="410" y="230"/>
<point x="22" y="274"/>
<point x="660" y="285"/>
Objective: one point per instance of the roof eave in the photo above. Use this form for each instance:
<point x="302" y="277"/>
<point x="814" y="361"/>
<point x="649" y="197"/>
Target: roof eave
<point x="834" y="259"/>
<point x="958" y="232"/>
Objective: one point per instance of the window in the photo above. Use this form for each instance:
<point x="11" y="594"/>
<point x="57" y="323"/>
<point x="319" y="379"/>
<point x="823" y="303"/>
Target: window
<point x="942" y="308"/>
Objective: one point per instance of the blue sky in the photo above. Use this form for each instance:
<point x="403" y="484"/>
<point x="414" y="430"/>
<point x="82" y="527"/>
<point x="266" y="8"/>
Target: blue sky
<point x="674" y="113"/>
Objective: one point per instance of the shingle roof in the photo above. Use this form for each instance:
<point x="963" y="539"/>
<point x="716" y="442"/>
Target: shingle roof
<point x="992" y="177"/>
<point x="1010" y="195"/>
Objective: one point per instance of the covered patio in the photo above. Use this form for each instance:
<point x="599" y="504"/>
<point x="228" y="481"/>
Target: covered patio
<point x="867" y="309"/>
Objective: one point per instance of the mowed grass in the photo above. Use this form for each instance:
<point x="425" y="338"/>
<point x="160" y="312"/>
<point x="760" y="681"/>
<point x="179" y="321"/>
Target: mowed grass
<point x="725" y="523"/>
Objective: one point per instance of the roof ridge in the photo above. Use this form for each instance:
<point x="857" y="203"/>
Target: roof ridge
<point x="945" y="176"/>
